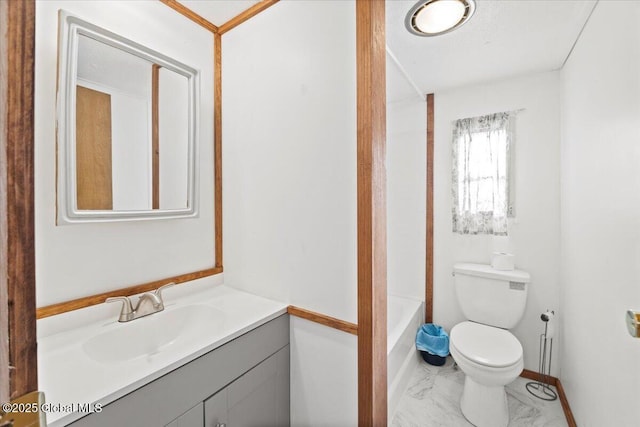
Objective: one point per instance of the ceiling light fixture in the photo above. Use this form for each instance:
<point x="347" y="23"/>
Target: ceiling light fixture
<point x="434" y="17"/>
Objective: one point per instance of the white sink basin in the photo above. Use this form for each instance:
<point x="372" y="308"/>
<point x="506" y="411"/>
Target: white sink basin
<point x="153" y="334"/>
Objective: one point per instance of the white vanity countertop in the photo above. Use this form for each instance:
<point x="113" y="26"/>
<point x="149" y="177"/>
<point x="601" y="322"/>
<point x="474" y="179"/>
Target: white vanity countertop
<point x="68" y="375"/>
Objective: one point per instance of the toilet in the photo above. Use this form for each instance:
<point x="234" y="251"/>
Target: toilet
<point x="492" y="301"/>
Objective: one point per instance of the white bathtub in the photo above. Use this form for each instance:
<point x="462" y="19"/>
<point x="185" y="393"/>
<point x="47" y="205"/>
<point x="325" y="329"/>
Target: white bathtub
<point x="404" y="317"/>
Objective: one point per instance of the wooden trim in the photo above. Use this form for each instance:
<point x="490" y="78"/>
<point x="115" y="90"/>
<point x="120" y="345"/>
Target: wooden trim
<point x="371" y="186"/>
<point x="185" y="11"/>
<point x="244" y="16"/>
<point x="428" y="316"/>
<point x="565" y="405"/>
<point x="323" y="319"/>
<point x="535" y="376"/>
<point x="76" y="304"/>
<point x="155" y="136"/>
<point x="217" y="144"/>
<point x="4" y="256"/>
<point x="17" y="228"/>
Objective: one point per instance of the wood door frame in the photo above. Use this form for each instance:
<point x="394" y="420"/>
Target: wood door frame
<point x="94" y="159"/>
<point x="17" y="227"/>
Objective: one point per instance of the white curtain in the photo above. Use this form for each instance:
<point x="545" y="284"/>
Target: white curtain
<point x="481" y="158"/>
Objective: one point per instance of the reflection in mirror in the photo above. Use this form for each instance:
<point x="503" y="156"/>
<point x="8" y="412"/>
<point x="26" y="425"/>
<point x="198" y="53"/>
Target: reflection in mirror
<point x="128" y="129"/>
<point x="130" y="116"/>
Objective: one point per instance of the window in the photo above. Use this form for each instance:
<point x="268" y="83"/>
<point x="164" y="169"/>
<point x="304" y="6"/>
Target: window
<point x="481" y="171"/>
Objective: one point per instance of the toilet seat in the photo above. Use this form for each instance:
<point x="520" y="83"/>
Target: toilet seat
<point x="486" y="345"/>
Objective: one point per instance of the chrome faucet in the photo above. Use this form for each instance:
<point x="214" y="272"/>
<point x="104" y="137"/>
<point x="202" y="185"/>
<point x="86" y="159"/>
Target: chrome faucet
<point x="148" y="303"/>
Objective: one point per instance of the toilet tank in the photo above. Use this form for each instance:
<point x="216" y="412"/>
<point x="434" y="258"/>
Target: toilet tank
<point x="492" y="297"/>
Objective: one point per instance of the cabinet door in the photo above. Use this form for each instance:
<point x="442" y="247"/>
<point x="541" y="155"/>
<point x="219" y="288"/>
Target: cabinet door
<point x="259" y="398"/>
<point x="215" y="410"/>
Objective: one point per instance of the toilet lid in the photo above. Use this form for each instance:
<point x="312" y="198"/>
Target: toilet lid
<point x="486" y="345"/>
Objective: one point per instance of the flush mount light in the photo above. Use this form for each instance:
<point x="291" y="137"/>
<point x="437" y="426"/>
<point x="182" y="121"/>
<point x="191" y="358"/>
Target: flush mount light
<point x="434" y="17"/>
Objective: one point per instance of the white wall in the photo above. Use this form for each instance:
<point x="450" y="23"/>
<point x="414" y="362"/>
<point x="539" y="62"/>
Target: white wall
<point x="289" y="177"/>
<point x="78" y="260"/>
<point x="534" y="236"/>
<point x="173" y="112"/>
<point x="130" y="162"/>
<point x="406" y="196"/>
<point x="324" y="376"/>
<point x="601" y="217"/>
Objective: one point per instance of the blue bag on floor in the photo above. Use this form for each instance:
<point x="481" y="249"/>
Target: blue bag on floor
<point x="433" y="339"/>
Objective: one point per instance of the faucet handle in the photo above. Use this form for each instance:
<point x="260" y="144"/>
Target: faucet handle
<point x="158" y="291"/>
<point x="127" y="309"/>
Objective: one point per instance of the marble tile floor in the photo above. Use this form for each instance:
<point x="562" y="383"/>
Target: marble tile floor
<point x="432" y="399"/>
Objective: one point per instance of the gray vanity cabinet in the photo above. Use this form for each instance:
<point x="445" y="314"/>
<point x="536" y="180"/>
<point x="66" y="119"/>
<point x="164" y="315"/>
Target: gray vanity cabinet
<point x="244" y="383"/>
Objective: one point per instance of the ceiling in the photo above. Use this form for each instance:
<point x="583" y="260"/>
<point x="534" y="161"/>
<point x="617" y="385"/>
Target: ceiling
<point x="504" y="38"/>
<point x="218" y="11"/>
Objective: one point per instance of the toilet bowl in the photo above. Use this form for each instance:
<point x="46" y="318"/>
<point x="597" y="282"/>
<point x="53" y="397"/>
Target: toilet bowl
<point x="490" y="358"/>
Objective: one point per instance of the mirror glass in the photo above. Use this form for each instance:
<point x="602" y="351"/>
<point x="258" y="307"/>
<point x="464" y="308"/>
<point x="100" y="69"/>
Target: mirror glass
<point x="127" y="123"/>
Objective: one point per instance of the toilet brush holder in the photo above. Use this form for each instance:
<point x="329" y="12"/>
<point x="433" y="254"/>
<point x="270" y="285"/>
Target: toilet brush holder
<point x="542" y="388"/>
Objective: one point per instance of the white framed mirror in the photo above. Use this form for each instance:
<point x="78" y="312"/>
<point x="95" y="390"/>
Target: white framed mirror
<point x="127" y="129"/>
